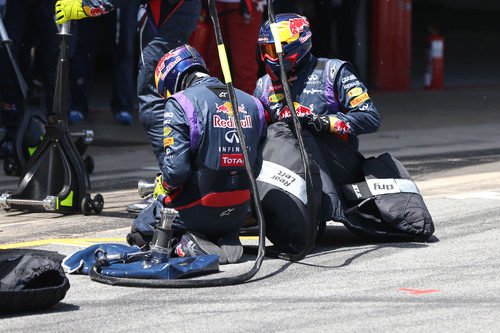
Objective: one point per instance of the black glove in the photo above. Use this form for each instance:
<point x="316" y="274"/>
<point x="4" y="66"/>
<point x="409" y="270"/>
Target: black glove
<point x="315" y="124"/>
<point x="324" y="124"/>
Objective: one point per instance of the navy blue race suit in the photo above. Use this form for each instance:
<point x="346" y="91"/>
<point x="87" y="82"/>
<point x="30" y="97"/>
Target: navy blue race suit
<point x="203" y="158"/>
<point x="164" y="25"/>
<point x="323" y="87"/>
<point x="326" y="87"/>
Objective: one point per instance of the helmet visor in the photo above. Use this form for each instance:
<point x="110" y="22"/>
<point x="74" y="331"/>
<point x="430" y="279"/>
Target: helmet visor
<point x="268" y="51"/>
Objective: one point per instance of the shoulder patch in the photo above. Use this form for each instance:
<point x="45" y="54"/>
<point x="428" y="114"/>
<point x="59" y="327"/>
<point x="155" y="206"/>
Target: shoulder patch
<point x="355" y="92"/>
<point x="360" y="99"/>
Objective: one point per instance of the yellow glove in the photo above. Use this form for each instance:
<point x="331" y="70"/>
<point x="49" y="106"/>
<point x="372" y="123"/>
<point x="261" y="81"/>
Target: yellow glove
<point x="159" y="189"/>
<point x="69" y="10"/>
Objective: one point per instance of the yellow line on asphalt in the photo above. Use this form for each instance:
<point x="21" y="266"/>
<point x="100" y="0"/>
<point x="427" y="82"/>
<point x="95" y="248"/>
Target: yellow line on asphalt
<point x="70" y="241"/>
<point x="75" y="241"/>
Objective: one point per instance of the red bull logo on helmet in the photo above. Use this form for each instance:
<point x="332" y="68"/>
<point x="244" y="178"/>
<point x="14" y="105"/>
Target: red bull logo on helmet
<point x="296" y="25"/>
<point x="300" y="109"/>
<point x="161" y="64"/>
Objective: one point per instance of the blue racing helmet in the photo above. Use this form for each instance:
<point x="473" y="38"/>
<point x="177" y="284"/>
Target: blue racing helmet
<point x="295" y="36"/>
<point x="173" y="66"/>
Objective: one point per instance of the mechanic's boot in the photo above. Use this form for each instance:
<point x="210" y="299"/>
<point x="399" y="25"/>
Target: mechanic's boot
<point x="193" y="244"/>
<point x="138" y="239"/>
<point x="138" y="207"/>
<point x="231" y="246"/>
<point x="7" y="149"/>
<point x="75" y="117"/>
<point x="124" y="118"/>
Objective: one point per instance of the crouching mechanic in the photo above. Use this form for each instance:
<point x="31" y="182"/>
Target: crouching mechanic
<point x="203" y="175"/>
<point x="333" y="105"/>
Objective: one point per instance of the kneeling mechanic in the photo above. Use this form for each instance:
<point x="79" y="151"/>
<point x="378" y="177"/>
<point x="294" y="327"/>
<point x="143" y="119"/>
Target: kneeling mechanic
<point x="203" y="175"/>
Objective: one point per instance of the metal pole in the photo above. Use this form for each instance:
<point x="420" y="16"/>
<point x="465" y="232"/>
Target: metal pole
<point x="60" y="107"/>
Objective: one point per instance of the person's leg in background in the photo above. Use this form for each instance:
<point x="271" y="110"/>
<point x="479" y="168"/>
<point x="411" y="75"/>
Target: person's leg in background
<point x="212" y="57"/>
<point x="48" y="44"/>
<point x="82" y="67"/>
<point x="155" y="44"/>
<point x="242" y="39"/>
<point x="122" y="98"/>
<point x="12" y="99"/>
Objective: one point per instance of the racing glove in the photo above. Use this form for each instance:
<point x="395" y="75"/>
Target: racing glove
<point x="324" y="124"/>
<point x="162" y="188"/>
<point x="69" y="10"/>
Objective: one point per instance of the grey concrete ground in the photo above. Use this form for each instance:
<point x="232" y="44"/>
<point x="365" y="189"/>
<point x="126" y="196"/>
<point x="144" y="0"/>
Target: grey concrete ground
<point x="450" y="143"/>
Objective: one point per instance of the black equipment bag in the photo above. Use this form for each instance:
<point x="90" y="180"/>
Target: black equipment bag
<point x="387" y="205"/>
<point x="282" y="189"/>
<point x="30" y="282"/>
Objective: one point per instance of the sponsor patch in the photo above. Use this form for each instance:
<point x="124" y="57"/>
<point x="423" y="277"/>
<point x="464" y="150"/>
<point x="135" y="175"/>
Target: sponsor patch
<point x="348" y="78"/>
<point x="231" y="160"/>
<point x="333" y="70"/>
<point x="360" y="99"/>
<point x="300" y="109"/>
<point x="364" y="107"/>
<point x="355" y="92"/>
<point x="166" y="131"/>
<point x="227" y="212"/>
<point x="232" y="136"/>
<point x="168" y="141"/>
<point x="276" y="98"/>
<point x="227" y="109"/>
<point x="9" y="107"/>
<point x="90" y="11"/>
<point x="229" y="123"/>
<point x="275" y="87"/>
<point x="352" y="84"/>
<point x="312" y="91"/>
<point x="338" y="126"/>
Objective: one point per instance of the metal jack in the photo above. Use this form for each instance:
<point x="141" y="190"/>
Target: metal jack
<point x="56" y="178"/>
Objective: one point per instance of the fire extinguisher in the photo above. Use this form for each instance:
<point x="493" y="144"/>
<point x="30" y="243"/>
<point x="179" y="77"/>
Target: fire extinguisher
<point x="199" y="39"/>
<point x="434" y="74"/>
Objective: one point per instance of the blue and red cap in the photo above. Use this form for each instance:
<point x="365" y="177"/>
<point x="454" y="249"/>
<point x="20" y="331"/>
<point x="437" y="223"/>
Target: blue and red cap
<point x="295" y="36"/>
<point x="172" y="67"/>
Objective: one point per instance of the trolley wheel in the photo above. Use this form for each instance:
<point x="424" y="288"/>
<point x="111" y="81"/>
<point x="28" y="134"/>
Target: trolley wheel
<point x="98" y="203"/>
<point x="86" y="205"/>
<point x="89" y="164"/>
<point x="11" y="167"/>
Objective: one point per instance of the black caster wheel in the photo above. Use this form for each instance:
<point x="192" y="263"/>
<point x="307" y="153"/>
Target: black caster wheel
<point x="98" y="203"/>
<point x="86" y="205"/>
<point x="89" y="164"/>
<point x="11" y="167"/>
